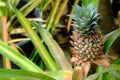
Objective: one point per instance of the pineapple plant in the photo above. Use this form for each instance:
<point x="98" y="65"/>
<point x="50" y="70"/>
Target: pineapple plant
<point x="87" y="39"/>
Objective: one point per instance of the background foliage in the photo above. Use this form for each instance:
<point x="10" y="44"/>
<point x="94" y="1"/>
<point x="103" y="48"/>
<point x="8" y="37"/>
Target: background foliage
<point x="34" y="35"/>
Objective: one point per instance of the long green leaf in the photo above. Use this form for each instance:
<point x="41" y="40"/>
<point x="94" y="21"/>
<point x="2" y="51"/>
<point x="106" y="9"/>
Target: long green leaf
<point x="109" y="69"/>
<point x="58" y="15"/>
<point x="28" y="75"/>
<point x="70" y="19"/>
<point x="26" y="9"/>
<point x="47" y="2"/>
<point x="110" y="40"/>
<point x="52" y="14"/>
<point x="54" y="48"/>
<point x="36" y="41"/>
<point x="61" y="75"/>
<point x="23" y="75"/>
<point x="18" y="58"/>
<point x="31" y="7"/>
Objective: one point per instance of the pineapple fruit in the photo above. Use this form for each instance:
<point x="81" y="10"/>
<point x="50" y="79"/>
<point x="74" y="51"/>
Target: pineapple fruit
<point x="87" y="39"/>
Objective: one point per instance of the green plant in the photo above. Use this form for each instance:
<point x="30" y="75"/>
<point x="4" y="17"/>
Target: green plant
<point x="47" y="61"/>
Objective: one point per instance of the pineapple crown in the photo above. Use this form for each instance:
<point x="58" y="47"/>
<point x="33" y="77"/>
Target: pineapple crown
<point x="85" y="19"/>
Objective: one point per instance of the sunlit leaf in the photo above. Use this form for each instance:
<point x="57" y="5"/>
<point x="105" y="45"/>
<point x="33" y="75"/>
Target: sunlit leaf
<point x="15" y="74"/>
<point x="37" y="42"/>
<point x="110" y="40"/>
<point x="23" y="75"/>
<point x="18" y="58"/>
<point x="61" y="75"/>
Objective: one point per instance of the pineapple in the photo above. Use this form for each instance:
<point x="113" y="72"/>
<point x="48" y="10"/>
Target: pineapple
<point x="87" y="39"/>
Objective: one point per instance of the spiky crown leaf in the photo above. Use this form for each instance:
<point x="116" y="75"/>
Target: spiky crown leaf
<point x="85" y="19"/>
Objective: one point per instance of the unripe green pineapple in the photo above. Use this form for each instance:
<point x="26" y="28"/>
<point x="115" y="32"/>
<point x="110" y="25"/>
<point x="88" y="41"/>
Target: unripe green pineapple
<point x="87" y="39"/>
